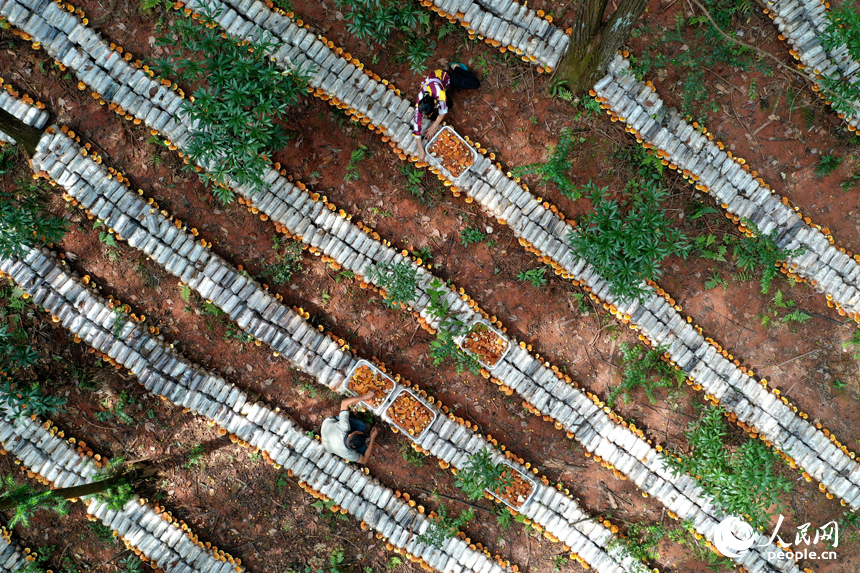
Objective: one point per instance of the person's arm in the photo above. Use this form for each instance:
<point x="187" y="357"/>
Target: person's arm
<point x="369" y="451"/>
<point x="345" y="404"/>
<point x="416" y="131"/>
<point x="434" y="126"/>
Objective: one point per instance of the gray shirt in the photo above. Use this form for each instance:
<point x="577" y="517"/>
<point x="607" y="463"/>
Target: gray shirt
<point x="334" y="432"/>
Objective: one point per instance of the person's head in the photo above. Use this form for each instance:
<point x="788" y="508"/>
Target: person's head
<point x="355" y="441"/>
<point x="427" y="105"/>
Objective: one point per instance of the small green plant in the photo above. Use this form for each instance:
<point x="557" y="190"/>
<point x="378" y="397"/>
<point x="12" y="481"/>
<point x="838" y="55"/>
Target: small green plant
<point x="20" y="389"/>
<point x="481" y="474"/>
<point x="195" y="457"/>
<point x="646" y="369"/>
<point x="753" y="91"/>
<point x="238" y="107"/>
<point x="761" y="253"/>
<point x="628" y="247"/>
<point x="120" y="491"/>
<point x="471" y="235"/>
<point x="714" y="281"/>
<point x="685" y="535"/>
<point x="558" y="165"/>
<point x="426" y="193"/>
<point x="699" y="210"/>
<point x="641" y="541"/>
<point x="558" y="562"/>
<point x="118" y="322"/>
<point x="849" y="524"/>
<point x="503" y="516"/>
<point x="851" y="182"/>
<point x="711" y="248"/>
<point x="827" y="165"/>
<point x="560" y="90"/>
<point x="357" y="156"/>
<point x="839" y="384"/>
<point x="410" y="456"/>
<point x="842" y="28"/>
<point x="107" y="239"/>
<point x="378" y="20"/>
<point x="324" y="507"/>
<point x="102" y="532"/>
<point x="444" y="348"/>
<point x="336" y="559"/>
<point x="527" y="527"/>
<point x="424" y="254"/>
<point x="591" y="106"/>
<point x="287" y="263"/>
<point x="782" y="312"/>
<point x="116" y="408"/>
<point x="414" y="51"/>
<point x="398" y="280"/>
<point x="131" y="564"/>
<point x="393" y="562"/>
<point x="534" y="276"/>
<point x="443" y="527"/>
<point x="28" y="501"/>
<point x="25" y="220"/>
<point x="721" y="469"/>
<point x="853" y="343"/>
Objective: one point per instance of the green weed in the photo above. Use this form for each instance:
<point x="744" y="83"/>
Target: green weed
<point x="710" y="247"/>
<point x="827" y="165"/>
<point x="714" y="281"/>
<point x="287" y="263"/>
<point x="25" y="220"/>
<point x="28" y="501"/>
<point x="781" y="311"/>
<point x="761" y="253"/>
<point x="414" y="51"/>
<point x="646" y="369"/>
<point x="410" y="456"/>
<point x="558" y="165"/>
<point x="195" y="457"/>
<point x="471" y="235"/>
<point x="397" y="279"/>
<point x="357" y="156"/>
<point x="854" y="343"/>
<point x="627" y="246"/>
<point x="742" y="480"/>
<point x="534" y="276"/>
<point x="378" y="20"/>
<point x="239" y="106"/>
<point x="480" y="474"/>
<point x="444" y="349"/>
<point x="443" y="527"/>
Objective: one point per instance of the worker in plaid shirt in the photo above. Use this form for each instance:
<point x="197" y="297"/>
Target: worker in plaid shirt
<point x="432" y="100"/>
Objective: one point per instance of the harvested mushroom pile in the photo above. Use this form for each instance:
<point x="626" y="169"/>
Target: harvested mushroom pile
<point x="518" y="492"/>
<point x="365" y="379"/>
<point x="486" y="344"/>
<point x="454" y="155"/>
<point x="409" y="414"/>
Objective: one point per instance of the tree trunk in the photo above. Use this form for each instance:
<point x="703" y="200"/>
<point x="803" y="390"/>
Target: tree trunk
<point x="89" y="488"/>
<point x="593" y="44"/>
<point x="27" y="136"/>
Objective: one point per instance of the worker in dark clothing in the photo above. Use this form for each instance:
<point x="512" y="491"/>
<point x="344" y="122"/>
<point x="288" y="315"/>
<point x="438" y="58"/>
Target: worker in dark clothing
<point x="433" y="101"/>
<point x="347" y="437"/>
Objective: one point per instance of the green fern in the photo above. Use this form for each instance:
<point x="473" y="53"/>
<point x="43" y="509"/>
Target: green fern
<point x="27" y="501"/>
<point x="796" y="316"/>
